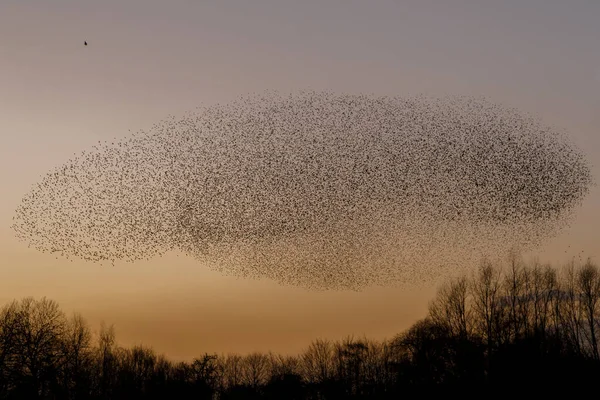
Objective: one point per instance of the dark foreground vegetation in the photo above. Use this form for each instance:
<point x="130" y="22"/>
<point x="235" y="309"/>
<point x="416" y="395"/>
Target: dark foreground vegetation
<point x="498" y="331"/>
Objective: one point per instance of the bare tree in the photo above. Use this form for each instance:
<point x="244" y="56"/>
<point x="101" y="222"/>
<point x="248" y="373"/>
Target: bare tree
<point x="280" y="365"/>
<point x="10" y="325"/>
<point x="588" y="285"/>
<point x="137" y="367"/>
<point x="486" y="302"/>
<point x="232" y="366"/>
<point x="107" y="361"/>
<point x="206" y="375"/>
<point x="571" y="310"/>
<point x="317" y="361"/>
<point x="77" y="344"/>
<point x="163" y="373"/>
<point x="349" y="356"/>
<point x="255" y="370"/>
<point x="450" y="308"/>
<point x="423" y="348"/>
<point x="40" y="351"/>
<point x="515" y="301"/>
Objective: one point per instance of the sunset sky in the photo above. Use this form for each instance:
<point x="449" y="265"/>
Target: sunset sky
<point x="148" y="59"/>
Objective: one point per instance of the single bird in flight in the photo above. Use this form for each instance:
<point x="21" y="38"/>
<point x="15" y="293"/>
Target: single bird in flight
<point x="85" y="43"/>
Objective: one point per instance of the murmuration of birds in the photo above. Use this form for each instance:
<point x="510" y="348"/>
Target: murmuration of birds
<point x="316" y="189"/>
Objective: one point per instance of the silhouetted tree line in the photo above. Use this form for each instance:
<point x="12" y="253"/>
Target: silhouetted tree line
<point x="499" y="329"/>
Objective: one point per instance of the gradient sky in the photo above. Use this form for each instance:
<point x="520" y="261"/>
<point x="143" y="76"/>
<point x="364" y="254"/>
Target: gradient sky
<point x="148" y="59"/>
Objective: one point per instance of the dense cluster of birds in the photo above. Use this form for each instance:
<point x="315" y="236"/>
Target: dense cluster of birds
<point x="316" y="189"/>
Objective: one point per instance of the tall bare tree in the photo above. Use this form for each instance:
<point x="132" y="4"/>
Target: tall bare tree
<point x="571" y="310"/>
<point x="107" y="361"/>
<point x="486" y="302"/>
<point x="317" y="361"/>
<point x="588" y="285"/>
<point x="451" y="308"/>
<point x="255" y="370"/>
<point x="78" y="353"/>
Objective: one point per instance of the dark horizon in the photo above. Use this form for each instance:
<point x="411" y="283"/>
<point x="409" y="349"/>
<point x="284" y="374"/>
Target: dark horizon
<point x="505" y="327"/>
